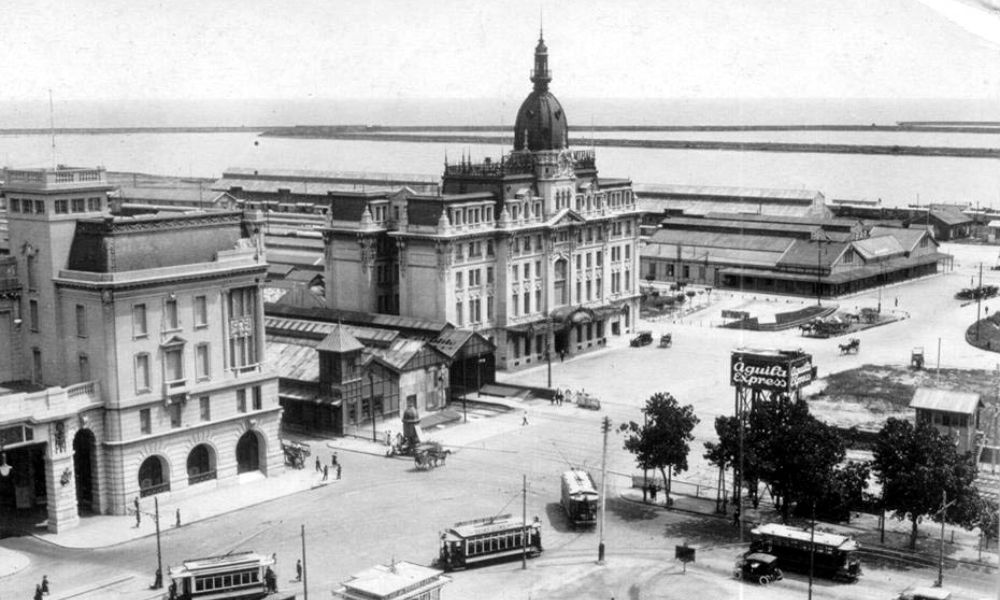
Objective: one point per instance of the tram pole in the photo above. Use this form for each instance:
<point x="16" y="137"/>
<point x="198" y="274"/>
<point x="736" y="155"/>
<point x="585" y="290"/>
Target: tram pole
<point x="605" y="427"/>
<point x="524" y="522"/>
<point x="305" y="571"/>
<point x="159" y="555"/>
<point x="812" y="548"/>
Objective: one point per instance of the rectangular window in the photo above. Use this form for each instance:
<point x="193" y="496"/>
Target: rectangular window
<point x="33" y="314"/>
<point x="489" y="248"/>
<point x="139" y="320"/>
<point x="78" y="205"/>
<point x="458" y="280"/>
<point x="201" y="364"/>
<point x="170" y="314"/>
<point x="538" y="268"/>
<point x="81" y="321"/>
<point x="84" y="363"/>
<point x="93" y="204"/>
<point x="173" y="364"/>
<point x="15" y="205"/>
<point x="258" y="398"/>
<point x="142" y="373"/>
<point x="243" y="327"/>
<point x="589" y="290"/>
<point x="513" y="304"/>
<point x="205" y="408"/>
<point x="579" y="262"/>
<point x="174" y="410"/>
<point x="458" y="313"/>
<point x="527" y="302"/>
<point x="36" y="365"/>
<point x="598" y="288"/>
<point x="39" y="207"/>
<point x="538" y="299"/>
<point x="527" y="271"/>
<point x="145" y="424"/>
<point x="628" y="251"/>
<point x="579" y="290"/>
<point x="489" y="275"/>
<point x="32" y="271"/>
<point x="62" y="207"/>
<point x="241" y="400"/>
<point x="200" y="311"/>
<point x="489" y="307"/>
<point x="588" y="260"/>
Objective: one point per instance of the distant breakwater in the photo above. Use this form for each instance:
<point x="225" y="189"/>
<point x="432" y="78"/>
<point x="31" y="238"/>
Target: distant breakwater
<point x="384" y="135"/>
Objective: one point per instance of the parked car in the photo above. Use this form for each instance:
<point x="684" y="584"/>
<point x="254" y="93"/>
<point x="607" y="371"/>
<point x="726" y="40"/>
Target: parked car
<point x="758" y="567"/>
<point x="642" y="338"/>
<point x="925" y="593"/>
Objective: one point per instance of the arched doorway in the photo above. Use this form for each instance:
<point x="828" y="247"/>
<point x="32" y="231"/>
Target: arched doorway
<point x="248" y="453"/>
<point x="84" y="456"/>
<point x="153" y="476"/>
<point x="201" y="464"/>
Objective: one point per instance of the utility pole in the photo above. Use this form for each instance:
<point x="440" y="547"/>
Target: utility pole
<point x="159" y="555"/>
<point x="979" y="300"/>
<point x="605" y="427"/>
<point x="305" y="571"/>
<point x="371" y="386"/>
<point x="943" y="512"/>
<point x="524" y="522"/>
<point x="812" y="548"/>
<point x="645" y="471"/>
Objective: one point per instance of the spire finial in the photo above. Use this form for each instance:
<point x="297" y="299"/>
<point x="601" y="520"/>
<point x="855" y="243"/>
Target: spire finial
<point x="541" y="23"/>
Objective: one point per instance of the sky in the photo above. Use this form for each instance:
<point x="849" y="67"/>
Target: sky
<point x="375" y="49"/>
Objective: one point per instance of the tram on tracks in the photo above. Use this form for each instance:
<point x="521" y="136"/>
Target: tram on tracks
<point x="235" y="576"/>
<point x="579" y="498"/>
<point x="493" y="538"/>
<point x="834" y="556"/>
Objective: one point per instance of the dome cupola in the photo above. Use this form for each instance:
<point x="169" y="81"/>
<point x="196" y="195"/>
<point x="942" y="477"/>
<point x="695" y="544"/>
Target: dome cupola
<point x="541" y="122"/>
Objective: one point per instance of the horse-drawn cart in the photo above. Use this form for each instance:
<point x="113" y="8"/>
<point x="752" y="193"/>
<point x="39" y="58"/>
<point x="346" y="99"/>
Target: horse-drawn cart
<point x="428" y="455"/>
<point x="853" y="345"/>
<point x="295" y="453"/>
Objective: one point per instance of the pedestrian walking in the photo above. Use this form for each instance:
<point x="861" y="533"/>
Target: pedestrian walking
<point x="333" y="460"/>
<point x="271" y="580"/>
<point x="524" y="419"/>
<point x="895" y="302"/>
<point x="38" y="592"/>
<point x="274" y="559"/>
<point x="298" y="570"/>
<point x="319" y="465"/>
<point x="45" y="584"/>
<point x="178" y="515"/>
<point x="562" y="355"/>
<point x="736" y="517"/>
<point x="338" y="471"/>
<point x="138" y="514"/>
<point x="326" y="472"/>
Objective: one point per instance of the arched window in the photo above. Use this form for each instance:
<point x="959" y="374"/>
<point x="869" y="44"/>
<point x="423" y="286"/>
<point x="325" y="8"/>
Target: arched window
<point x="201" y="464"/>
<point x="153" y="476"/>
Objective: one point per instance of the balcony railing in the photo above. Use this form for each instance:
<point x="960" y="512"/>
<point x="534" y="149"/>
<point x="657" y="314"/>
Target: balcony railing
<point x="200" y="477"/>
<point x="152" y="490"/>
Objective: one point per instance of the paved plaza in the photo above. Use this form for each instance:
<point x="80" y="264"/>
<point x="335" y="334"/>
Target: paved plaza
<point x="384" y="508"/>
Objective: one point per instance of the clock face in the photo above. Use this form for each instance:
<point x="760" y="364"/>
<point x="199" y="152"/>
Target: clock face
<point x="565" y="163"/>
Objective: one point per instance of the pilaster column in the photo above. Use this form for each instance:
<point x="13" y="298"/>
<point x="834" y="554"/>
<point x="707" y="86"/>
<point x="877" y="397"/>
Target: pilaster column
<point x="60" y="491"/>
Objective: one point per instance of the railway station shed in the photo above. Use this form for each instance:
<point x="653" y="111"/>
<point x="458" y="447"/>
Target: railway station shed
<point x="953" y="413"/>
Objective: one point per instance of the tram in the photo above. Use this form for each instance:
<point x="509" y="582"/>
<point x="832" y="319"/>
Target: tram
<point x="492" y="538"/>
<point x="236" y="576"/>
<point x="579" y="498"/>
<point x="834" y="556"/>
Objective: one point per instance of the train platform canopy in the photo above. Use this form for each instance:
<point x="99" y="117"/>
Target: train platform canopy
<point x="703" y="200"/>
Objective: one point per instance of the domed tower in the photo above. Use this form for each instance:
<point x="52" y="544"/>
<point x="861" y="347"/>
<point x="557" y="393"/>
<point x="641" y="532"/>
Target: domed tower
<point x="541" y="122"/>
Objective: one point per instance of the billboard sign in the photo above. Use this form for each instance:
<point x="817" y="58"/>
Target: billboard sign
<point x="778" y="371"/>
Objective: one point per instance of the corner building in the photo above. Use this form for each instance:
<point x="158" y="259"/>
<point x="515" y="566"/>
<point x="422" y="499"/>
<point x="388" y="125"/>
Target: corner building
<point x="533" y="250"/>
<point x="140" y="344"/>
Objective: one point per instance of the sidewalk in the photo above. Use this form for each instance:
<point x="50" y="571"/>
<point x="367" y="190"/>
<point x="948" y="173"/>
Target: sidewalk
<point x="252" y="488"/>
<point x="960" y="545"/>
<point x="11" y="562"/>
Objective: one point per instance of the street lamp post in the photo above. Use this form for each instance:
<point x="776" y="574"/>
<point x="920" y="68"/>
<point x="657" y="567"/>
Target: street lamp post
<point x="371" y="387"/>
<point x="5" y="469"/>
<point x="479" y="376"/>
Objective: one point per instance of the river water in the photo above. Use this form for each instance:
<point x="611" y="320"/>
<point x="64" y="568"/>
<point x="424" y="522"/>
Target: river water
<point x="897" y="180"/>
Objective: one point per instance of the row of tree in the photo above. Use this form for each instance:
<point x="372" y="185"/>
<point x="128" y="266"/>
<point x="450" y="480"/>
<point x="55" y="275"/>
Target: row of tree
<point x="800" y="462"/>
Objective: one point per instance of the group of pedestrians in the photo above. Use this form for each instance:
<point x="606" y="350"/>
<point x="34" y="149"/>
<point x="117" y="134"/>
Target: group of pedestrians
<point x="566" y="395"/>
<point x="42" y="589"/>
<point x="325" y="469"/>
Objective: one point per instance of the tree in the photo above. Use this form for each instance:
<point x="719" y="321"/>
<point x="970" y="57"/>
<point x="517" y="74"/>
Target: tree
<point x="917" y="464"/>
<point x="661" y="441"/>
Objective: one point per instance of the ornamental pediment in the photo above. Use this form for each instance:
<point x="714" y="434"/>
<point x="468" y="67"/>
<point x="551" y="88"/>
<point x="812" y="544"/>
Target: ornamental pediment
<point x="565" y="218"/>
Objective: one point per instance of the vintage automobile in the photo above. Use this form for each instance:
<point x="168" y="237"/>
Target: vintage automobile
<point x="428" y="455"/>
<point x="758" y="567"/>
<point x="585" y="400"/>
<point x="925" y="593"/>
<point x="666" y="340"/>
<point x="642" y="338"/>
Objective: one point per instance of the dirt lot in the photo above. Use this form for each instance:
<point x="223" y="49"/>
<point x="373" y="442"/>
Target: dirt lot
<point x="866" y="396"/>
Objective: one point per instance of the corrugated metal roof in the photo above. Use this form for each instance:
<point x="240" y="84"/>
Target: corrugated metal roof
<point x="318" y="330"/>
<point x="807" y="253"/>
<point x="293" y="361"/>
<point x="708" y="223"/>
<point x="950" y="216"/>
<point x="945" y="400"/>
<point x="307" y="258"/>
<point x="720" y="240"/>
<point x="713" y="255"/>
<point x="883" y="246"/>
<point x="340" y="340"/>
